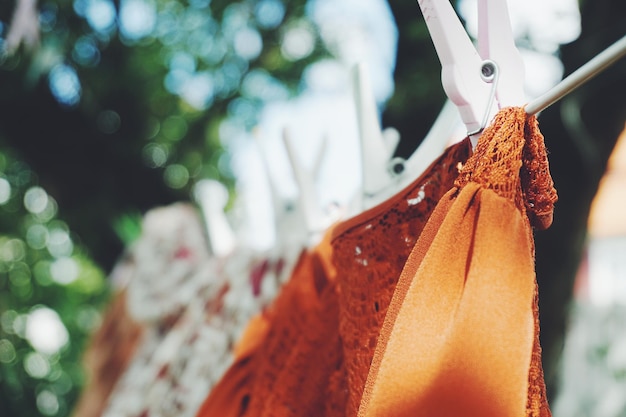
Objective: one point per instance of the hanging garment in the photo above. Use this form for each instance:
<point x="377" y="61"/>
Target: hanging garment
<point x="194" y="308"/>
<point x="286" y="355"/>
<point x="173" y="275"/>
<point x="461" y="333"/>
<point x="369" y="252"/>
<point x="107" y="356"/>
<point x="291" y="361"/>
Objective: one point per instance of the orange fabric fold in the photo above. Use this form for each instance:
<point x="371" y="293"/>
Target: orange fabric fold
<point x="285" y="357"/>
<point x="460" y="334"/>
<point x="462" y="330"/>
<point x="309" y="353"/>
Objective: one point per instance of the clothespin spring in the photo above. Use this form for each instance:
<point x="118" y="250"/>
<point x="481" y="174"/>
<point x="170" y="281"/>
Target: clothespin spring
<point x="489" y="73"/>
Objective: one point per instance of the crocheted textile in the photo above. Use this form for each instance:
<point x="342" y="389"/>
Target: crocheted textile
<point x="515" y="169"/>
<point x="310" y="352"/>
<point x="291" y="360"/>
<point x="369" y="253"/>
<point x="518" y="170"/>
<point x="461" y="333"/>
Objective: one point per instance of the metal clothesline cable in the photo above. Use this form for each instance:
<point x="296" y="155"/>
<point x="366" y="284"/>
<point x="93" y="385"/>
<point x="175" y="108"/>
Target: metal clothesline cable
<point x="583" y="74"/>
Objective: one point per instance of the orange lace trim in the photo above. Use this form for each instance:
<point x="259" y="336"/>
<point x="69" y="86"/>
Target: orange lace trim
<point x="519" y="171"/>
<point x="515" y="169"/>
<point x="369" y="253"/>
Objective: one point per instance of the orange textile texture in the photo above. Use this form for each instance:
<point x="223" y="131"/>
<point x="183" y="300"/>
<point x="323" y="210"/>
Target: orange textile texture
<point x="309" y="353"/>
<point x="461" y="333"/>
<point x="369" y="253"/>
<point x="286" y="355"/>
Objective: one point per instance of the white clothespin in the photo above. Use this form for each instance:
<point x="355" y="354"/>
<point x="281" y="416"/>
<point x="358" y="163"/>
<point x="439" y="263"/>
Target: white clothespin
<point x="478" y="82"/>
<point x="308" y="201"/>
<point x="296" y="221"/>
<point x="381" y="179"/>
<point x="212" y="197"/>
<point x="377" y="148"/>
<point x="444" y="132"/>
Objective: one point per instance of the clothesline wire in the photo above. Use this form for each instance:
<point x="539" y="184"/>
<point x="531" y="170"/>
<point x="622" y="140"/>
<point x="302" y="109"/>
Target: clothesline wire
<point x="583" y="74"/>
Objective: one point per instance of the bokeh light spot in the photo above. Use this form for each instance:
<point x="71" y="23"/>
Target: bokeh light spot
<point x="48" y="16"/>
<point x="7" y="351"/>
<point x="199" y="4"/>
<point x="198" y="90"/>
<point x="35" y="200"/>
<point x="260" y="85"/>
<point x="5" y="190"/>
<point x="100" y="15"/>
<point x="175" y="80"/>
<point x="47" y="402"/>
<point x="243" y="109"/>
<point x="88" y="319"/>
<point x="235" y="18"/>
<point x="155" y="155"/>
<point x="248" y="43"/>
<point x="12" y="250"/>
<point x="41" y="270"/>
<point x="19" y="275"/>
<point x="64" y="84"/>
<point x="176" y="176"/>
<point x="37" y="236"/>
<point x="214" y="51"/>
<point x="64" y="270"/>
<point x="174" y="128"/>
<point x="182" y="61"/>
<point x="6" y="321"/>
<point x="36" y="365"/>
<point x="85" y="52"/>
<point x="45" y="331"/>
<point x="269" y="13"/>
<point x="19" y="325"/>
<point x="59" y="243"/>
<point x="108" y="121"/>
<point x="137" y="18"/>
<point x="298" y="42"/>
<point x="49" y="212"/>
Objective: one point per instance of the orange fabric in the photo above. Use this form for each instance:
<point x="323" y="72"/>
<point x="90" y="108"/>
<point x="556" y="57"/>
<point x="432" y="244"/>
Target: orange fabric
<point x="460" y="336"/>
<point x="335" y="326"/>
<point x="369" y="253"/>
<point x="290" y="361"/>
<point x="287" y="354"/>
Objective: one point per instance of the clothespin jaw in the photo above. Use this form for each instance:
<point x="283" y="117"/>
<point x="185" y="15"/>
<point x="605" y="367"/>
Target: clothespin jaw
<point x="475" y="82"/>
<point x="496" y="43"/>
<point x="377" y="148"/>
<point x="297" y="221"/>
<point x="380" y="179"/>
<point x="212" y="197"/>
<point x="308" y="201"/>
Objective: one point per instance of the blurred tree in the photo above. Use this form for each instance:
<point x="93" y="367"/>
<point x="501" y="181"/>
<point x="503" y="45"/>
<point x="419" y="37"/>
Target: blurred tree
<point x="50" y="295"/>
<point x="121" y="106"/>
<point x="114" y="108"/>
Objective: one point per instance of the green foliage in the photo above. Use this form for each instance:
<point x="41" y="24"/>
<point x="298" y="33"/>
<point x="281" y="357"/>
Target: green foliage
<point x="151" y="102"/>
<point x="104" y="119"/>
<point x="50" y="295"/>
